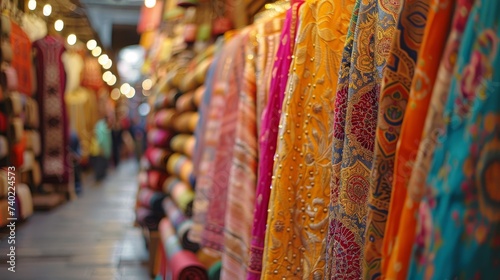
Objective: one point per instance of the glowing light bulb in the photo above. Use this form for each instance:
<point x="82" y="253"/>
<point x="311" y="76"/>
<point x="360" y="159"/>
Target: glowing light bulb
<point x="112" y="81"/>
<point x="150" y="3"/>
<point x="125" y="89"/>
<point x="71" y="39"/>
<point x="91" y="44"/>
<point x="32" y="5"/>
<point x="131" y="93"/>
<point x="47" y="10"/>
<point x="147" y="84"/>
<point x="108" y="64"/>
<point x="103" y="59"/>
<point x="115" y="94"/>
<point x="96" y="51"/>
<point x="59" y="25"/>
<point x="107" y="76"/>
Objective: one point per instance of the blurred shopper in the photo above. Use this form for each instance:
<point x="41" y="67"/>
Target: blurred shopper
<point x="101" y="147"/>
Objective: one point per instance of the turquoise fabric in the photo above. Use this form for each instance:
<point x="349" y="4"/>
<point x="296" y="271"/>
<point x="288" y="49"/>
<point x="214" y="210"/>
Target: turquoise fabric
<point x="103" y="135"/>
<point x="459" y="219"/>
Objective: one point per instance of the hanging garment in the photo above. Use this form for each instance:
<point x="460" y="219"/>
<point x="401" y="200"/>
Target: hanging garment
<point x="260" y="52"/>
<point x="355" y="122"/>
<point x="207" y="133"/>
<point x="298" y="210"/>
<point x="438" y="23"/>
<point x="268" y="137"/>
<point x="232" y="84"/>
<point x="54" y="130"/>
<point x="395" y="91"/>
<point x="22" y="59"/>
<point x="459" y="222"/>
<point x="92" y="74"/>
<point x="73" y="64"/>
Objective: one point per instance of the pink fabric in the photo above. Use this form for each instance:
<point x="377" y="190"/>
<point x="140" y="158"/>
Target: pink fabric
<point x="268" y="137"/>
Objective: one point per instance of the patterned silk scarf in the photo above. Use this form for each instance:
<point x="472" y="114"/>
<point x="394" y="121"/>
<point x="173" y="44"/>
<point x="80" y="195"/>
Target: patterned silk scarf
<point x="268" y="139"/>
<point x="394" y="265"/>
<point x="355" y="122"/>
<point x="394" y="95"/>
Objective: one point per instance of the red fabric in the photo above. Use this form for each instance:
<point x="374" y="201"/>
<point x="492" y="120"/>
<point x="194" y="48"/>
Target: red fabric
<point x="54" y="125"/>
<point x="22" y="59"/>
<point x="3" y="122"/>
<point x="156" y="179"/>
<point x="17" y="152"/>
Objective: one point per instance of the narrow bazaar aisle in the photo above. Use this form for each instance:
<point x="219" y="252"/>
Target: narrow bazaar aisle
<point x="92" y="237"/>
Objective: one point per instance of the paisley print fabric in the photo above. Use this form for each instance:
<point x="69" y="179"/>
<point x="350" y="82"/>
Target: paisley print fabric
<point x="354" y="137"/>
<point x="268" y="138"/>
<point x="298" y="217"/>
<point x="459" y="221"/>
<point x="438" y="23"/>
<point x="394" y="95"/>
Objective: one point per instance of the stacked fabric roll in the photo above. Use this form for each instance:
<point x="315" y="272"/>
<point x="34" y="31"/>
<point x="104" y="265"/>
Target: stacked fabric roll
<point x="19" y="145"/>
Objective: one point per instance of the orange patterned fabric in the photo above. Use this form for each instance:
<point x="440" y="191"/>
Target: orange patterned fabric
<point x="395" y="91"/>
<point x="298" y="217"/>
<point x="401" y="224"/>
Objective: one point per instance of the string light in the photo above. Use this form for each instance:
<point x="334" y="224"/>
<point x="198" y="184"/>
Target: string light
<point x="150" y="3"/>
<point x="91" y="44"/>
<point x="96" y="51"/>
<point x="108" y="64"/>
<point x="115" y="94"/>
<point x="107" y="76"/>
<point x="47" y="10"/>
<point x="112" y="81"/>
<point x="147" y="84"/>
<point x="71" y="39"/>
<point x="131" y="93"/>
<point x="59" y="25"/>
<point x="103" y="59"/>
<point x="32" y="5"/>
<point x="125" y="89"/>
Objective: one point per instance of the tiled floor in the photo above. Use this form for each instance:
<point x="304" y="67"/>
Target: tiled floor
<point x="91" y="238"/>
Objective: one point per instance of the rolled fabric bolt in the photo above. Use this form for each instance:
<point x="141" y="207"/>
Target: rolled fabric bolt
<point x="198" y="96"/>
<point x="157" y="157"/>
<point x="6" y="25"/>
<point x="15" y="104"/>
<point x="208" y="256"/>
<point x="7" y="53"/>
<point x="4" y="147"/>
<point x="156" y="179"/>
<point x="3" y="122"/>
<point x="185" y="103"/>
<point x="166" y="118"/>
<point x="193" y="122"/>
<point x="214" y="271"/>
<point x="181" y="224"/>
<point x="16" y="129"/>
<point x="184" y="264"/>
<point x="159" y="137"/>
<point x="26" y="200"/>
<point x="4" y="183"/>
<point x="28" y="161"/>
<point x="178" y="142"/>
<point x="17" y="152"/>
<point x="201" y="70"/>
<point x="37" y="174"/>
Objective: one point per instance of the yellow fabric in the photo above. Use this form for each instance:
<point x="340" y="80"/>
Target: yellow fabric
<point x="298" y="218"/>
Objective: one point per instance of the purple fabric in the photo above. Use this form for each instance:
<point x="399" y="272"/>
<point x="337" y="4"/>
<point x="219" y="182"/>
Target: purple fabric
<point x="268" y="139"/>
